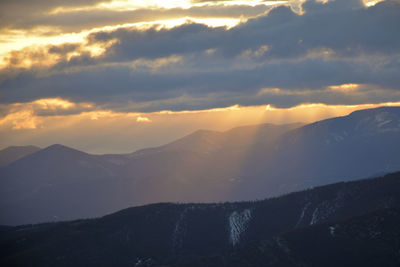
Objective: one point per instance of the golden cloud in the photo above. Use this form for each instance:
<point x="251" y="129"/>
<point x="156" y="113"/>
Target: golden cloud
<point x="143" y="119"/>
<point x="31" y="115"/>
<point x="24" y="119"/>
<point x="348" y="87"/>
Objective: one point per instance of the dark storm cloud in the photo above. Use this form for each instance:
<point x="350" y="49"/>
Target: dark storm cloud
<point x="330" y="44"/>
<point x="344" y="26"/>
<point x="62" y="49"/>
<point x="121" y="84"/>
<point x="134" y="44"/>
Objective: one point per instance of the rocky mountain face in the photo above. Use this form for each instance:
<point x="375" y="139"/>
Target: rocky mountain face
<point x="310" y="228"/>
<point x="245" y="163"/>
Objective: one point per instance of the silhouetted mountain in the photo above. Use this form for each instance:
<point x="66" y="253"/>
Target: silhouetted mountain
<point x="55" y="183"/>
<point x="60" y="183"/>
<point x="245" y="163"/>
<point x="318" y="227"/>
<point x="239" y="138"/>
<point x="13" y="153"/>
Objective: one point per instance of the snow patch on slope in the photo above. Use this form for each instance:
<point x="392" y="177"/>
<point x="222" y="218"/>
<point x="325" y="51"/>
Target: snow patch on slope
<point x="329" y="207"/>
<point x="332" y="230"/>
<point x="180" y="229"/>
<point x="314" y="218"/>
<point x="238" y="223"/>
<point x="302" y="214"/>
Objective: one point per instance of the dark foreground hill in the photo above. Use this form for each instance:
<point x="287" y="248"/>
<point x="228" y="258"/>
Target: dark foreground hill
<point x="246" y="163"/>
<point x="317" y="227"/>
<point x="368" y="240"/>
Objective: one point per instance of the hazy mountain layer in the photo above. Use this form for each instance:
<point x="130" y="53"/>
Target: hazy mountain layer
<point x="245" y="163"/>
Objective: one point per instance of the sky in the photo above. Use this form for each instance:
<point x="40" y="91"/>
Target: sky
<point x="117" y="76"/>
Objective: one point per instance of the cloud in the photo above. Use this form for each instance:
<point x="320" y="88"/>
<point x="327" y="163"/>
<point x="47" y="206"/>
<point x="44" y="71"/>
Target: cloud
<point x="346" y="27"/>
<point x="40" y="56"/>
<point x="197" y="67"/>
<point x="142" y="119"/>
<point x="29" y="115"/>
<point x="203" y="89"/>
<point x="347" y="87"/>
<point x="19" y="120"/>
<point x="15" y="12"/>
<point x="78" y="20"/>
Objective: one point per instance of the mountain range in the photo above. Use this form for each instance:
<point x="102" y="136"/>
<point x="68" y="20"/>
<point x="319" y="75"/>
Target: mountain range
<point x="343" y="224"/>
<point x="246" y="163"/>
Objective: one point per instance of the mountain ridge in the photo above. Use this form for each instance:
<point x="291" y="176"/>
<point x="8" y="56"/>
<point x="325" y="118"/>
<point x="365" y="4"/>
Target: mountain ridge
<point x="14" y="153"/>
<point x="245" y="164"/>
<point x="174" y="234"/>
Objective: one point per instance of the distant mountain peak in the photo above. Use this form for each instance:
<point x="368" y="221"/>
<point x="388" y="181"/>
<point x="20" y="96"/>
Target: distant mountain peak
<point x="61" y="148"/>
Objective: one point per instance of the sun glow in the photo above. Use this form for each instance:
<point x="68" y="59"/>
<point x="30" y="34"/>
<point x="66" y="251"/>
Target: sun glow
<point x="29" y="115"/>
<point x="348" y="87"/>
<point x="142" y="119"/>
<point x="124" y="5"/>
<point x="17" y="40"/>
<point x="60" y="118"/>
<point x="231" y="108"/>
<point x="145" y="4"/>
<point x="54" y="103"/>
<point x="370" y="3"/>
<point x="24" y="119"/>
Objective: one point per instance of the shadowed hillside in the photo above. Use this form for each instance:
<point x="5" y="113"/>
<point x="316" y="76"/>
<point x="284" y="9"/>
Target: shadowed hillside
<point x="182" y="233"/>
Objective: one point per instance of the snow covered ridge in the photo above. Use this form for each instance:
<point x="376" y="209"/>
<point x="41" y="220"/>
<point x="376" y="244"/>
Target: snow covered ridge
<point x="380" y="122"/>
<point x="238" y="223"/>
